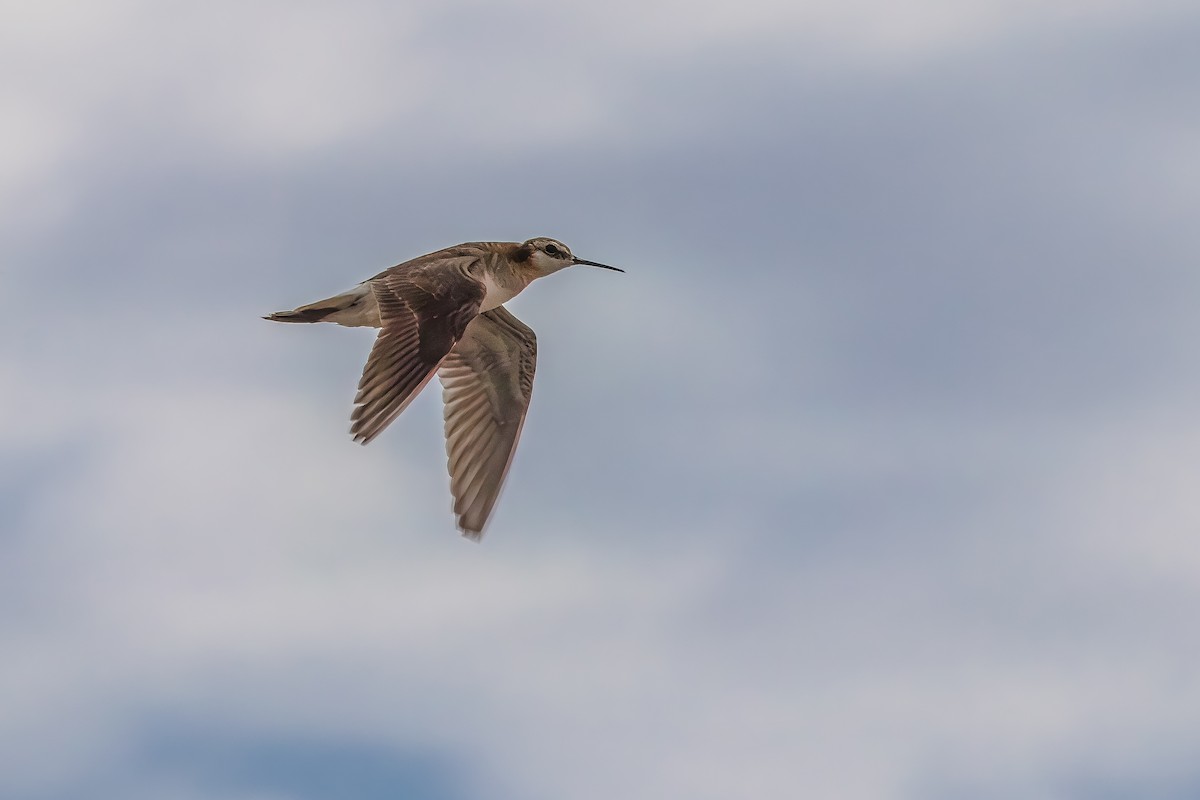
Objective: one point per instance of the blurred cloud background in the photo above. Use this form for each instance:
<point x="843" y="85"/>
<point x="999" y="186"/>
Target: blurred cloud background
<point x="875" y="477"/>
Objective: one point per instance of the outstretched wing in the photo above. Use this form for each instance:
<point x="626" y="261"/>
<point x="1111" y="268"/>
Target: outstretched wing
<point x="487" y="380"/>
<point x="421" y="321"/>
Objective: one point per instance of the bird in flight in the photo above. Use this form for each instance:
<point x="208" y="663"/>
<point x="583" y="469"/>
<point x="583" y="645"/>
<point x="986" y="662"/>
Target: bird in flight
<point x="444" y="312"/>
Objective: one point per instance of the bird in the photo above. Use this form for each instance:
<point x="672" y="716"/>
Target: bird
<point x="444" y="313"/>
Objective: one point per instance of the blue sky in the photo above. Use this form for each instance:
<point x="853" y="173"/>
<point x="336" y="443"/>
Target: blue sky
<point x="872" y="478"/>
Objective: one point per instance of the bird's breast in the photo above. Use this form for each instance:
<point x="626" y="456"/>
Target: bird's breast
<point x="497" y="293"/>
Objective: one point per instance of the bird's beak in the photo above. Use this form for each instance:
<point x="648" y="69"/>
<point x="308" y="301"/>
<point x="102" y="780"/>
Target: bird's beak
<point x="594" y="264"/>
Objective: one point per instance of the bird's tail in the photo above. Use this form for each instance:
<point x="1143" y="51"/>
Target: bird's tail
<point x="310" y="313"/>
<point x="356" y="307"/>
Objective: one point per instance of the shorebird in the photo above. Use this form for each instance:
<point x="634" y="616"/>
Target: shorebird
<point x="444" y="313"/>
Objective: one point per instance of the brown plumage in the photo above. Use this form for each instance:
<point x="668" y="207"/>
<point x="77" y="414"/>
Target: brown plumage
<point x="443" y="313"/>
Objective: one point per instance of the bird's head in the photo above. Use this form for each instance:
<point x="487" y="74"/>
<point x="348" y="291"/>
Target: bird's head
<point x="550" y="255"/>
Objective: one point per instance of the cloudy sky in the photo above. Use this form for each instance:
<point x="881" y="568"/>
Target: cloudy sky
<point x="874" y="477"/>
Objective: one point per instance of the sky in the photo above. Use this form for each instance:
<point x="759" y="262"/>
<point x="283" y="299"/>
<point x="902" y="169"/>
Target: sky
<point x="872" y="478"/>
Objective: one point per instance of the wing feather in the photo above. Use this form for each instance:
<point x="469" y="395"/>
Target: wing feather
<point x="487" y="380"/>
<point x="420" y="324"/>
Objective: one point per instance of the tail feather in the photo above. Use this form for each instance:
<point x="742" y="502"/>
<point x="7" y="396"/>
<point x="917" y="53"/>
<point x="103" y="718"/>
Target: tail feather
<point x="355" y="308"/>
<point x="302" y="314"/>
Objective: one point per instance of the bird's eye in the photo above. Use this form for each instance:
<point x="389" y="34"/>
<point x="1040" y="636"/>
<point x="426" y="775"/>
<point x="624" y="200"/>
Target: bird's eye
<point x="551" y="250"/>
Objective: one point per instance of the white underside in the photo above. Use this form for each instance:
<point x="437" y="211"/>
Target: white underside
<point x="496" y="295"/>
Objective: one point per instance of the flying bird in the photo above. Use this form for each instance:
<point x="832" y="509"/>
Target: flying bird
<point x="444" y="313"/>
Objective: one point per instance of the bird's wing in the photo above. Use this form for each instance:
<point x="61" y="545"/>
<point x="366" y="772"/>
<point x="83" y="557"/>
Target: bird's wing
<point x="487" y="380"/>
<point x="422" y="315"/>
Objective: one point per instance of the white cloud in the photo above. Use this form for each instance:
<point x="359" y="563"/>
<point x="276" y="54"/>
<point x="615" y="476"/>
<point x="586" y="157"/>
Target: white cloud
<point x="224" y="557"/>
<point x="1125" y="501"/>
<point x="267" y="82"/>
<point x="213" y="551"/>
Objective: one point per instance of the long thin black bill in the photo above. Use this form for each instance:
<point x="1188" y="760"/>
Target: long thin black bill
<point x="594" y="264"/>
